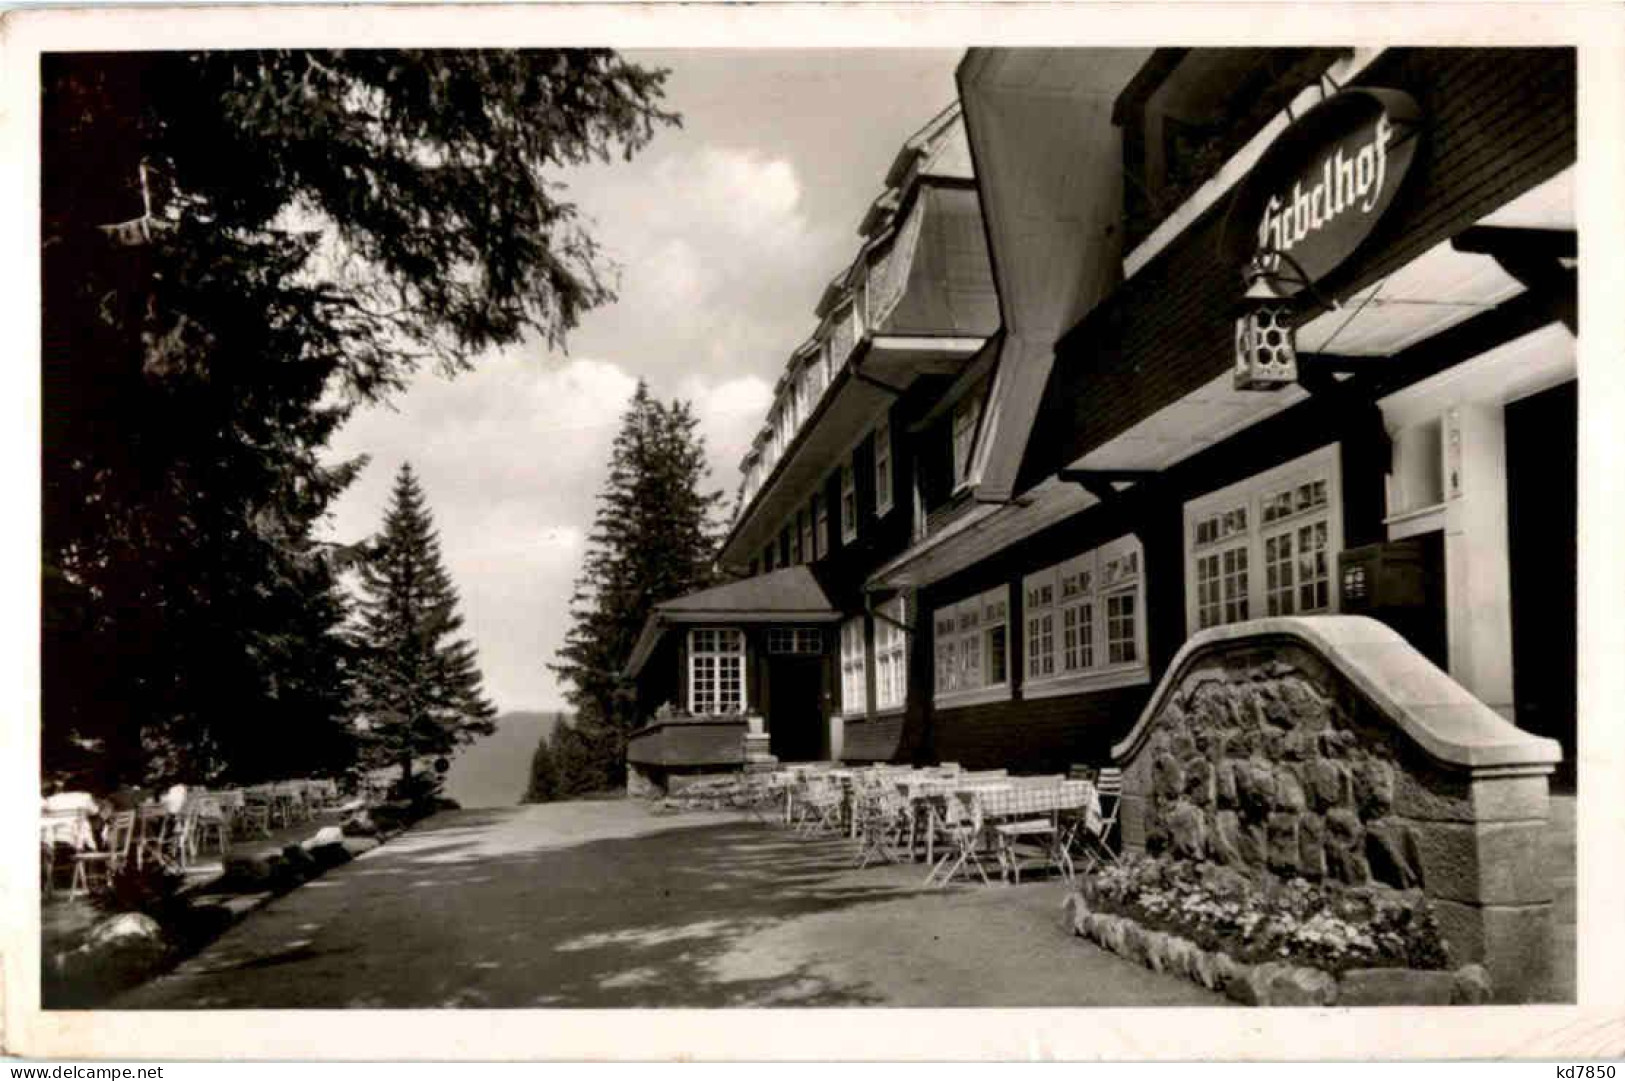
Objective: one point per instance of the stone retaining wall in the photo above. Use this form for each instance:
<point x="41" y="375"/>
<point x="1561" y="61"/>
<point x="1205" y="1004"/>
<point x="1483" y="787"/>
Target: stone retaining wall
<point x="1328" y="748"/>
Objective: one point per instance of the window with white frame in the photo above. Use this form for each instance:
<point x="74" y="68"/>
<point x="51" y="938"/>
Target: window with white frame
<point x="883" y="472"/>
<point x="891" y="655"/>
<point x="854" y="695"/>
<point x="1085" y="622"/>
<point x="971" y="648"/>
<point x="849" y="503"/>
<point x="716" y="670"/>
<point x="966" y="414"/>
<point x="795" y="640"/>
<point x="1265" y="546"/>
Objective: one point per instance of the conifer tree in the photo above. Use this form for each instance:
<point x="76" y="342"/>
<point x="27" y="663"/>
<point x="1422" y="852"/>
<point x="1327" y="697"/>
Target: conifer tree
<point x="654" y="537"/>
<point x="239" y="248"/>
<point x="419" y="687"/>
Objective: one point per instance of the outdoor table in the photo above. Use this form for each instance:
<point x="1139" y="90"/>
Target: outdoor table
<point x="72" y="828"/>
<point x="930" y="794"/>
<point x="992" y="808"/>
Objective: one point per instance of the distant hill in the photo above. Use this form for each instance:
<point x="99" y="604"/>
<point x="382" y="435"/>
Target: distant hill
<point x="494" y="771"/>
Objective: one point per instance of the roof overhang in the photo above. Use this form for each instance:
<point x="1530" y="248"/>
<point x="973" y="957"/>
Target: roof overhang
<point x="792" y="595"/>
<point x="1439" y="291"/>
<point x="1048" y="166"/>
<point x="849" y="408"/>
<point x="979" y="533"/>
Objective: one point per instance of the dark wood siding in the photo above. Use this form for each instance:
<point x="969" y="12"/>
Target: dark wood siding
<point x="1045" y="735"/>
<point x="1498" y="122"/>
<point x="878" y="739"/>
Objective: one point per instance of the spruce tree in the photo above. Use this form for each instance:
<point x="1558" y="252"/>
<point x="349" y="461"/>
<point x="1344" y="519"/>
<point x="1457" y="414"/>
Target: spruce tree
<point x="238" y="248"/>
<point x="419" y="687"/>
<point x="654" y="537"/>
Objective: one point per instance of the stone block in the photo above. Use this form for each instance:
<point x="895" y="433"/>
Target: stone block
<point x="1155" y="944"/>
<point x="1373" y="787"/>
<point x="1512" y="943"/>
<point x="1224" y="784"/>
<point x="1169" y="777"/>
<point x="1251" y="985"/>
<point x="1504" y="863"/>
<point x="1181" y="744"/>
<point x="1255" y="786"/>
<point x="1199" y="782"/>
<point x="1395" y="987"/>
<point x="1288" y="791"/>
<point x="1471" y="986"/>
<point x="1073" y="909"/>
<point x="1311" y="845"/>
<point x="1299" y="985"/>
<point x="1188" y="831"/>
<point x="1224" y="840"/>
<point x="1435" y="796"/>
<point x="1206" y="968"/>
<point x="1283" y="842"/>
<point x="1345" y="848"/>
<point x="1253" y="845"/>
<point x="1328" y="783"/>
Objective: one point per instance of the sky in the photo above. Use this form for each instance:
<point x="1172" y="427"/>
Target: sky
<point x="726" y="232"/>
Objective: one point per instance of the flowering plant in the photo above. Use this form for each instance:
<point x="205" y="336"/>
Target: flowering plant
<point x="1264" y="918"/>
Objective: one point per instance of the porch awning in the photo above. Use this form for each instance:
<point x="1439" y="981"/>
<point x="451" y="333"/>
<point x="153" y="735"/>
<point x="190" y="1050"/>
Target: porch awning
<point x="788" y="595"/>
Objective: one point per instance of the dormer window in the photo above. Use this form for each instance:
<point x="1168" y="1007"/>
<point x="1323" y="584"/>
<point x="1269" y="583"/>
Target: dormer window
<point x="966" y="415"/>
<point x="849" y="503"/>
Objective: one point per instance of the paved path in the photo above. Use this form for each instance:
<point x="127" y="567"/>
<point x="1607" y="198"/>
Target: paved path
<point x="602" y="904"/>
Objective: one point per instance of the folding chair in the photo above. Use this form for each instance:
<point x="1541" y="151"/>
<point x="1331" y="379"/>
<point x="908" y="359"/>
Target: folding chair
<point x="962" y="822"/>
<point x="883" y="822"/>
<point x="1030" y="812"/>
<point x="255" y="810"/>
<point x="153" y="826"/>
<point x="211" y="820"/>
<point x="1099" y="845"/>
<point x="106" y="862"/>
<point x="820" y="803"/>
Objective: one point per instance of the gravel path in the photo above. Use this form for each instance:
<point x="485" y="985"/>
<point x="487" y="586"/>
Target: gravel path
<point x="602" y="904"/>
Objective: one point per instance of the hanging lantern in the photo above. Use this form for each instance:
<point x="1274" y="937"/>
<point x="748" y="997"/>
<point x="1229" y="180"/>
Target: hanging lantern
<point x="1266" y="356"/>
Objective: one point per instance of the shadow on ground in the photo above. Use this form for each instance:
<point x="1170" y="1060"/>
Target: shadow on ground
<point x="538" y="907"/>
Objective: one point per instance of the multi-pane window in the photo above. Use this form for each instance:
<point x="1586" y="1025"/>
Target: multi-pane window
<point x="883" y="476"/>
<point x="854" y="696"/>
<point x="716" y="670"/>
<point x="966" y="414"/>
<point x="1096" y="601"/>
<point x="1120" y="645"/>
<point x="795" y="640"/>
<point x="1264" y="547"/>
<point x="946" y="654"/>
<point x="891" y="654"/>
<point x="971" y="645"/>
<point x="849" y="503"/>
<point x="1040" y="630"/>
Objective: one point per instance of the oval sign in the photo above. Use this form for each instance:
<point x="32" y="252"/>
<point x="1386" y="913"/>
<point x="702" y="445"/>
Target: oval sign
<point x="1317" y="193"/>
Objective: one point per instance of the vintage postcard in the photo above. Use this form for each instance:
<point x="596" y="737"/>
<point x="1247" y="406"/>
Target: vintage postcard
<point x="792" y="519"/>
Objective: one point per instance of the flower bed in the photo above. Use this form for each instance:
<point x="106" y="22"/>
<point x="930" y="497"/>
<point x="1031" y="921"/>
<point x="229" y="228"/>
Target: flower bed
<point x="1270" y="941"/>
